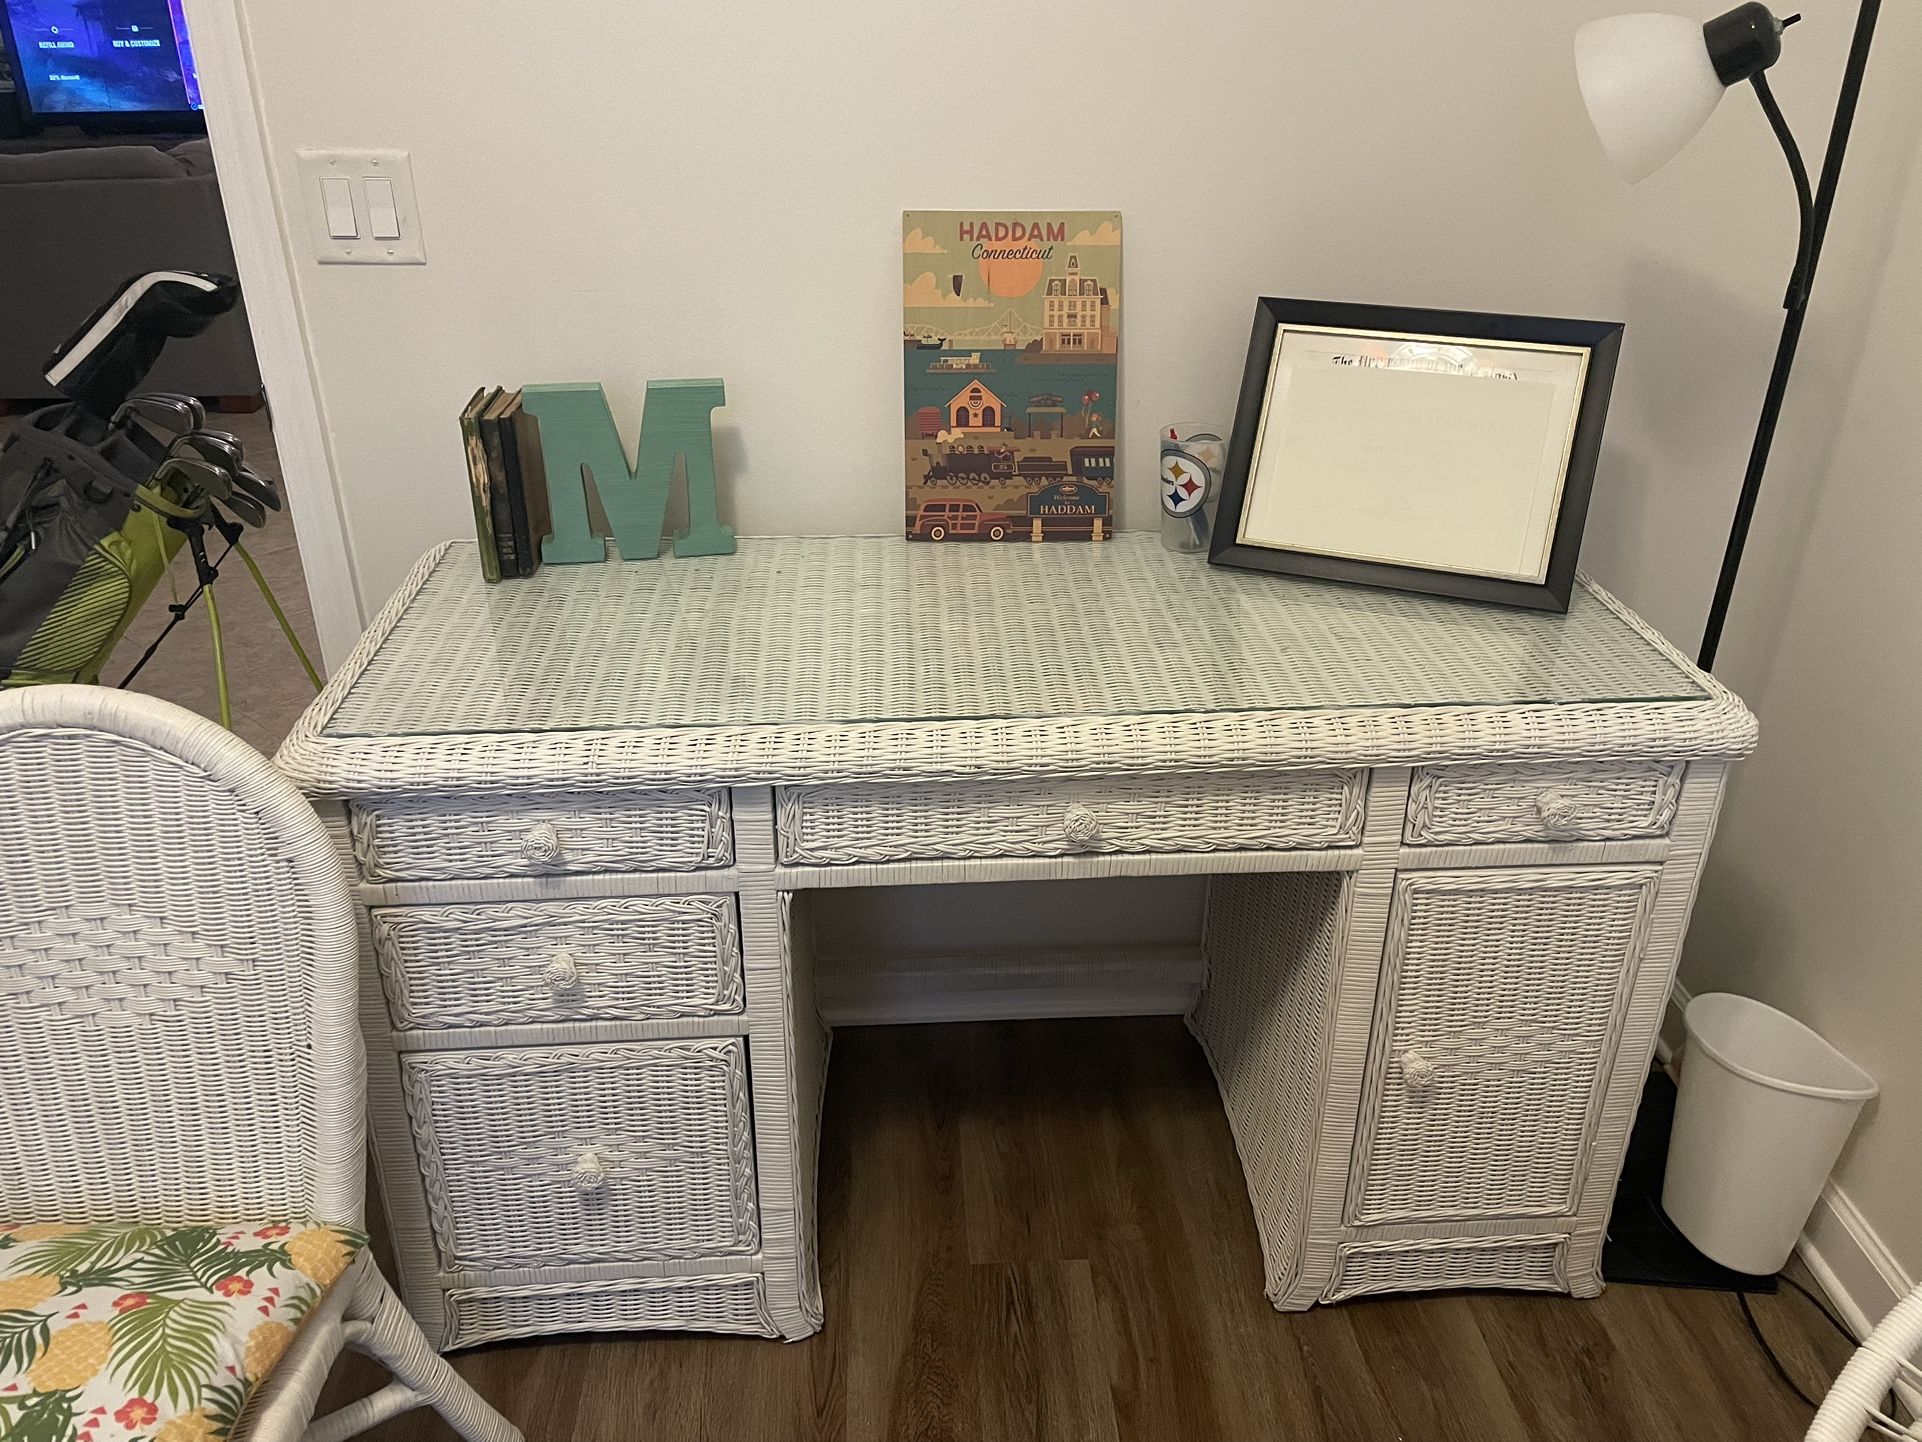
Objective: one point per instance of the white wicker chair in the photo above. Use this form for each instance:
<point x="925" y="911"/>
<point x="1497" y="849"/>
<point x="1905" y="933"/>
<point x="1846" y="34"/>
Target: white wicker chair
<point x="193" y="1058"/>
<point x="1887" y="1356"/>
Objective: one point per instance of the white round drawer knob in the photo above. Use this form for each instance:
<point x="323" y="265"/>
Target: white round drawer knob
<point x="1561" y="811"/>
<point x="1417" y="1068"/>
<point x="561" y="973"/>
<point x="589" y="1176"/>
<point x="542" y="844"/>
<point x="1081" y="825"/>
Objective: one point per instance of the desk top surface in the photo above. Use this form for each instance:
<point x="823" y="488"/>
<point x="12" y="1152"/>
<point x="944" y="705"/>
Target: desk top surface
<point x="848" y="657"/>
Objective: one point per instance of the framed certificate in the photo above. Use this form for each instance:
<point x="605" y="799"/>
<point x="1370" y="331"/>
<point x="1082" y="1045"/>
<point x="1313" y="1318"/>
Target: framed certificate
<point x="1448" y="452"/>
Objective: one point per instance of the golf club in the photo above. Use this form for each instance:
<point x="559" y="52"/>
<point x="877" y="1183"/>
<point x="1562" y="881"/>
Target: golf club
<point x="257" y="486"/>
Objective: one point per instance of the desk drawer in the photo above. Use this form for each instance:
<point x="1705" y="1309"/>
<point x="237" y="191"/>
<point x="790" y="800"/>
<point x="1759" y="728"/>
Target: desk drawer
<point x="1266" y="812"/>
<point x="431" y="839"/>
<point x="1594" y="801"/>
<point x="565" y="1156"/>
<point x="629" y="958"/>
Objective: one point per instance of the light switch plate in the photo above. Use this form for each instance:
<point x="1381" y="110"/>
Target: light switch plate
<point x="358" y="167"/>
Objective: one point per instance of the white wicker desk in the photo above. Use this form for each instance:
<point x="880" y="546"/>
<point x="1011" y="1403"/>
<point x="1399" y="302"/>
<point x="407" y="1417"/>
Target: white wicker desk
<point x="1453" y="848"/>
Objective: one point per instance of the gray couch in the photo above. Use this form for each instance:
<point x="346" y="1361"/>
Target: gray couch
<point x="76" y="223"/>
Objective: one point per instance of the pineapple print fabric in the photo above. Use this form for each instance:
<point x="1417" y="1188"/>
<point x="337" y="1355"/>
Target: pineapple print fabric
<point x="151" y="1334"/>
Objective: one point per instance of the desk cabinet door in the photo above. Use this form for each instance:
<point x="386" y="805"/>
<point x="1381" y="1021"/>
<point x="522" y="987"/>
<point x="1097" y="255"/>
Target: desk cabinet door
<point x="1502" y="998"/>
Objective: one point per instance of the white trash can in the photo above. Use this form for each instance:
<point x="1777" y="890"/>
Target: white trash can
<point x="1765" y="1106"/>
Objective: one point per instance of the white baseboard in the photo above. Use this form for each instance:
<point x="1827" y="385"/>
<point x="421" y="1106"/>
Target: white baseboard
<point x="1000" y="986"/>
<point x="1860" y="1274"/>
<point x="1669" y="1041"/>
<point x="1856" y="1269"/>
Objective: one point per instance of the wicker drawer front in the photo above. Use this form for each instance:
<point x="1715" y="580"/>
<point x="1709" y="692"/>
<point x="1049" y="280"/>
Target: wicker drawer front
<point x="736" y="1302"/>
<point x="1278" y="812"/>
<point x="560" y="1156"/>
<point x="427" y="839"/>
<point x="1501" y="1001"/>
<point x="1602" y="801"/>
<point x="1530" y="1263"/>
<point x="511" y="963"/>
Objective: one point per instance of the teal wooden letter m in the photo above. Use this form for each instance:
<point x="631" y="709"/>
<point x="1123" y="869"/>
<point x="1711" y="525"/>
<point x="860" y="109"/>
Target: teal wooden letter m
<point x="578" y="436"/>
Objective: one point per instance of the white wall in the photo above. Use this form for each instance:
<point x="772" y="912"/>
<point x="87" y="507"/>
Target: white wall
<point x="600" y="185"/>
<point x="619" y="192"/>
<point x="1813" y="896"/>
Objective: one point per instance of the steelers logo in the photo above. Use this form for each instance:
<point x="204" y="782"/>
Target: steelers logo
<point x="1184" y="483"/>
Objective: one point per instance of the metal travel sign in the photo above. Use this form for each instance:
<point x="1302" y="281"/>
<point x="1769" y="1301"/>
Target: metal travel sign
<point x="1010" y="346"/>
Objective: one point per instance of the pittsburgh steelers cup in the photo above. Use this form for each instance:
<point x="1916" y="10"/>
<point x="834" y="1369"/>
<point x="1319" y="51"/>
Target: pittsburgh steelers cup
<point x="1192" y="458"/>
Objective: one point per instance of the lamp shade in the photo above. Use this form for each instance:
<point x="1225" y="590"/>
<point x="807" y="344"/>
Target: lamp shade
<point x="1649" y="83"/>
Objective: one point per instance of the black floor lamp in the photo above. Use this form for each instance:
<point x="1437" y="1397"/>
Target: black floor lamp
<point x="1650" y="82"/>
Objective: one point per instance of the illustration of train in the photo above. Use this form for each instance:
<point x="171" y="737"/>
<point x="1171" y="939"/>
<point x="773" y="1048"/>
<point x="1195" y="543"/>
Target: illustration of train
<point x="971" y="465"/>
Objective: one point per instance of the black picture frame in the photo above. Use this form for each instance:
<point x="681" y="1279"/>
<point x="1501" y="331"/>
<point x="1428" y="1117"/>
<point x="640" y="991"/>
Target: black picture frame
<point x="1600" y="339"/>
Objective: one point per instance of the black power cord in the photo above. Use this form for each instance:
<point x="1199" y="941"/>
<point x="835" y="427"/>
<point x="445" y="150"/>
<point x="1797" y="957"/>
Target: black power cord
<point x="1755" y="1330"/>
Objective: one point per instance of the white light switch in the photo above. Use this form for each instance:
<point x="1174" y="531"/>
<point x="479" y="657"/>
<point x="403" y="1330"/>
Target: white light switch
<point x="360" y="207"/>
<point x="337" y="198"/>
<point x="383" y="221"/>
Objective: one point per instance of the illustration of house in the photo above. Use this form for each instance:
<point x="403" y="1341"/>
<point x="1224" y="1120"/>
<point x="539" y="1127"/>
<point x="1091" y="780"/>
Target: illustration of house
<point x="975" y="408"/>
<point x="1076" y="317"/>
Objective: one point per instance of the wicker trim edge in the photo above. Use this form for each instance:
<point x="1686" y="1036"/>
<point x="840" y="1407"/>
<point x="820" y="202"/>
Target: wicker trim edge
<point x="1001" y="749"/>
<point x="1555" y="1243"/>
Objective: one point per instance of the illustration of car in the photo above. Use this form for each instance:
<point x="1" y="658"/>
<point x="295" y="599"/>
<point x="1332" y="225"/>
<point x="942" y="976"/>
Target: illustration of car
<point x="959" y="521"/>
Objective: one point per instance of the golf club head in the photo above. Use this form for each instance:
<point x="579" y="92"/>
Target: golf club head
<point x="217" y="448"/>
<point x="189" y="473"/>
<point x="192" y="404"/>
<point x="171" y="414"/>
<point x="243" y="507"/>
<point x="257" y="486"/>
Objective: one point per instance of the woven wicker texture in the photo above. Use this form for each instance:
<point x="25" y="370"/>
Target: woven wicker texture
<point x="177" y="998"/>
<point x="1528" y="1263"/>
<point x="851" y="659"/>
<point x="415" y="839"/>
<point x="1272" y="945"/>
<point x="788" y="1046"/>
<point x="1891" y="1353"/>
<point x="617" y="959"/>
<point x="176" y="974"/>
<point x="1500" y="1007"/>
<point x="1580" y="801"/>
<point x="360" y="1312"/>
<point x="833" y="629"/>
<point x="888" y="715"/>
<point x="731" y="1303"/>
<point x="812" y="1042"/>
<point x="1284" y="812"/>
<point x="561" y="1156"/>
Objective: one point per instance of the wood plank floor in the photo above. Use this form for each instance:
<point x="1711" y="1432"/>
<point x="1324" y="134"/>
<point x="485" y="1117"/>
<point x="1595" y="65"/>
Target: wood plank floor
<point x="1039" y="1230"/>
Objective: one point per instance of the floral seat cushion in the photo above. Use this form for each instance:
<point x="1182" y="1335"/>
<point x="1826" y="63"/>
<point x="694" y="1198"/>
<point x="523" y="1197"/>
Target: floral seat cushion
<point x="111" y="1333"/>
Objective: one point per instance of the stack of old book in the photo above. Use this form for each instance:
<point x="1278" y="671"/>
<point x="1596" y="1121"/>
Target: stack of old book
<point x="509" y="482"/>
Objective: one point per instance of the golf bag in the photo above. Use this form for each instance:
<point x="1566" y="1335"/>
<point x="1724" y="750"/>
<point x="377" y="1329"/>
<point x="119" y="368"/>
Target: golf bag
<point x="99" y="493"/>
<point x="79" y="551"/>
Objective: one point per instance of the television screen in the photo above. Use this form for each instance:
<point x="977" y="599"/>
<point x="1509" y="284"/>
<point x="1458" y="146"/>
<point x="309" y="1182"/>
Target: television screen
<point x="75" y="59"/>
